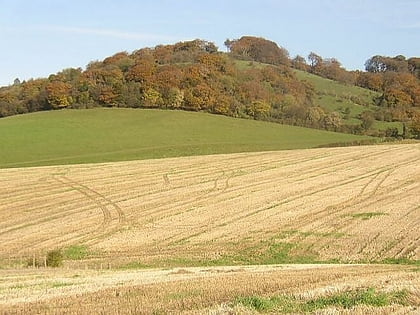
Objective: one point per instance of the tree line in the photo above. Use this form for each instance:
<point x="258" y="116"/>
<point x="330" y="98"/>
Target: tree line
<point x="195" y="75"/>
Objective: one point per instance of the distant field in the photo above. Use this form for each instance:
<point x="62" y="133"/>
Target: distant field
<point x="104" y="135"/>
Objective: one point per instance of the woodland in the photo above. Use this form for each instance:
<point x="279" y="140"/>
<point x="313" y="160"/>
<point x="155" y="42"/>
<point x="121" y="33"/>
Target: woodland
<point x="255" y="79"/>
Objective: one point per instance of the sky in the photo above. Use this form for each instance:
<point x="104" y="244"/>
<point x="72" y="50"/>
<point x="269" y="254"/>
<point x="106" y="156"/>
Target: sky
<point x="41" y="37"/>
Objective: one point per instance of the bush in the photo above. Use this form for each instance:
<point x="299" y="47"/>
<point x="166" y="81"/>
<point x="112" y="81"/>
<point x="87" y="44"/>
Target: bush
<point x="54" y="258"/>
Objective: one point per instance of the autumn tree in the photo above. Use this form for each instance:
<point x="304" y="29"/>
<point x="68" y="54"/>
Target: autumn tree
<point x="383" y="63"/>
<point x="315" y="116"/>
<point x="315" y="62"/>
<point x="415" y="126"/>
<point x="258" y="49"/>
<point x="258" y="109"/>
<point x="414" y="66"/>
<point x="142" y="71"/>
<point x="332" y="121"/>
<point x="299" y="63"/>
<point x="58" y="94"/>
<point x="367" y="118"/>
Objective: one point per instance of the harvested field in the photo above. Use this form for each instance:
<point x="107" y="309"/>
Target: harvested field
<point x="353" y="204"/>
<point x="211" y="290"/>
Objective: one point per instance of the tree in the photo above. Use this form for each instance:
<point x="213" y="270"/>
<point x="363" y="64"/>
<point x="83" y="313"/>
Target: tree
<point x="58" y="94"/>
<point x="415" y="126"/>
<point x="367" y="117"/>
<point x="258" y="49"/>
<point x="375" y="64"/>
<point x="299" y="63"/>
<point x="382" y="64"/>
<point x="106" y="95"/>
<point x="228" y="43"/>
<point x="332" y="121"/>
<point x="142" y="72"/>
<point x="414" y="66"/>
<point x="315" y="62"/>
<point x="175" y="98"/>
<point x="315" y="116"/>
<point x="152" y="98"/>
<point x="258" y="109"/>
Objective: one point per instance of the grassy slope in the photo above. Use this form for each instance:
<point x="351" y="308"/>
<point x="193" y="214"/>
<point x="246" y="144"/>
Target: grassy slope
<point x="100" y="135"/>
<point x="336" y="96"/>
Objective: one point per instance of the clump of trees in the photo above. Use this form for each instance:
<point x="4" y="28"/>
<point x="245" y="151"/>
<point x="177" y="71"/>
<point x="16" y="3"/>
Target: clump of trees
<point x="329" y="68"/>
<point x="258" y="49"/>
<point x="397" y="79"/>
<point x="190" y="75"/>
<point x="194" y="75"/>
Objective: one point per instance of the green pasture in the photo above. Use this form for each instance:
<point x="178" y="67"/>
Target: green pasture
<point x="105" y="135"/>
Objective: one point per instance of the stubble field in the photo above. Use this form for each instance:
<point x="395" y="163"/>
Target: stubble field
<point x="336" y="205"/>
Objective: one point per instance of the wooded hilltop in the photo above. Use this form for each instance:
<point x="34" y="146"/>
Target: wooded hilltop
<point x="255" y="79"/>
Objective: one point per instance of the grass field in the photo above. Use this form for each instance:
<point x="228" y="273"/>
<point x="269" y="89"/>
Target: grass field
<point x="104" y="135"/>
<point x="205" y="234"/>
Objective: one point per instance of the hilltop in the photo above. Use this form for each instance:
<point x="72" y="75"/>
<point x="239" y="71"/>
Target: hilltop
<point x="256" y="80"/>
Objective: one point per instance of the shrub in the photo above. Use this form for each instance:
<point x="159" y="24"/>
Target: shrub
<point x="55" y="258"/>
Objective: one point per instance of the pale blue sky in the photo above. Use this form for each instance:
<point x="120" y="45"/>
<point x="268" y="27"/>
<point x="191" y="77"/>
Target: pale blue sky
<point x="40" y="37"/>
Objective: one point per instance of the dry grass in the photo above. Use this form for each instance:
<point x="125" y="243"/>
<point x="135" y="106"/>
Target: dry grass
<point x="200" y="290"/>
<point x="348" y="204"/>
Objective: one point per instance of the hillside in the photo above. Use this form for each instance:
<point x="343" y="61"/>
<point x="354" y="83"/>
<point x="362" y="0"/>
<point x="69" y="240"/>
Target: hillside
<point x="348" y="100"/>
<point x="103" y="135"/>
<point x="255" y="80"/>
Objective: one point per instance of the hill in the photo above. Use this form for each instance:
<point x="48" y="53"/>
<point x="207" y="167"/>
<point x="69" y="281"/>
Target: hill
<point x="103" y="135"/>
<point x="195" y="76"/>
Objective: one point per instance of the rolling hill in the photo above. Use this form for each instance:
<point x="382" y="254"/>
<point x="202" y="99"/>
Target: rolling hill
<point x="104" y="135"/>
